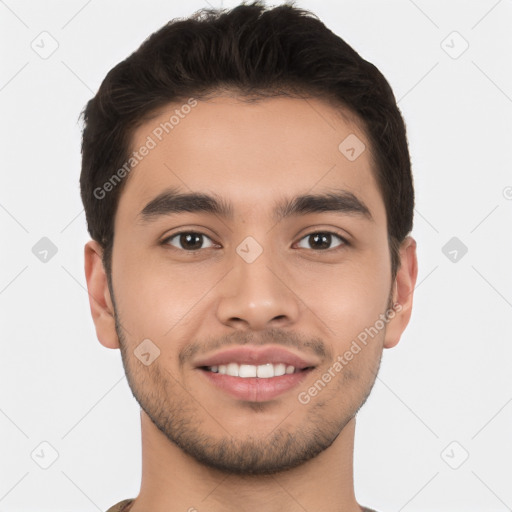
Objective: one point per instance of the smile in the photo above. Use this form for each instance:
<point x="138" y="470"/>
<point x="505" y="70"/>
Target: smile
<point x="262" y="371"/>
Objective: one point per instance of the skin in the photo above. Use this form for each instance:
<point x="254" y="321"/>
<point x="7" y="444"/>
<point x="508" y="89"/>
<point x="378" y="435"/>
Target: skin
<point x="294" y="294"/>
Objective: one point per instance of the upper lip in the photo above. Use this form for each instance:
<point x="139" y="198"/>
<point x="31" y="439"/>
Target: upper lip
<point x="256" y="356"/>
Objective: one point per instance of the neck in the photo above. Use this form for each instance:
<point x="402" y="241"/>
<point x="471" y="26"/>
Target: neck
<point x="172" y="481"/>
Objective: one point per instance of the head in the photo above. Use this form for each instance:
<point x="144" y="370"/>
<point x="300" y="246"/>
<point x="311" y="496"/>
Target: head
<point x="246" y="181"/>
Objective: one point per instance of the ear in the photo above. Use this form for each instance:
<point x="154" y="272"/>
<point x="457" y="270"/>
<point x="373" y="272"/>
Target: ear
<point x="102" y="309"/>
<point x="405" y="282"/>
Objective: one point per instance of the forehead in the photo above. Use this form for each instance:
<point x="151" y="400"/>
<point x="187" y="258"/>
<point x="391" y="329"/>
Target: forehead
<point x="250" y="153"/>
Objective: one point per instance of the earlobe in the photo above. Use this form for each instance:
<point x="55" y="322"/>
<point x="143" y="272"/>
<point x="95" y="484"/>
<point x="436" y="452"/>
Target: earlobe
<point x="405" y="282"/>
<point x="100" y="302"/>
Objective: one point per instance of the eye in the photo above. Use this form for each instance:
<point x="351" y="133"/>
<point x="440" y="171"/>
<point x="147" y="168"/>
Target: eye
<point x="322" y="240"/>
<point x="189" y="241"/>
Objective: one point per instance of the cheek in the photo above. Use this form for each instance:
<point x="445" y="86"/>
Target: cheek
<point x="351" y="297"/>
<point x="351" y="305"/>
<point x="161" y="301"/>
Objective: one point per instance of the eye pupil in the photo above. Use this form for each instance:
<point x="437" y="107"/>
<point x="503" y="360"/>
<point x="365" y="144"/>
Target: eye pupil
<point x="320" y="240"/>
<point x="187" y="238"/>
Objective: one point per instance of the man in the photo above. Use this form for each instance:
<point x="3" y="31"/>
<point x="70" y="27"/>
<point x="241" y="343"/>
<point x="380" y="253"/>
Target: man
<point x="247" y="185"/>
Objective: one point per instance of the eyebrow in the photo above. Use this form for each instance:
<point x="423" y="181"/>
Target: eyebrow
<point x="172" y="201"/>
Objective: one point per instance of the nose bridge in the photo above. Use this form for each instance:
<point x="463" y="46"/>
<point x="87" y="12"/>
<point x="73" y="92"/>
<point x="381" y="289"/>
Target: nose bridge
<point x="257" y="274"/>
<point x="256" y="296"/>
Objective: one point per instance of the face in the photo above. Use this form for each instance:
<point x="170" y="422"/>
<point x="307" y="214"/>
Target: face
<point x="251" y="280"/>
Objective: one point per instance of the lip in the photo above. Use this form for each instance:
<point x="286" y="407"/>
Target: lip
<point x="253" y="389"/>
<point x="257" y="356"/>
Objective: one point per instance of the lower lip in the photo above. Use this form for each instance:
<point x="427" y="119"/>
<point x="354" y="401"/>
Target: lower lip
<point x="254" y="389"/>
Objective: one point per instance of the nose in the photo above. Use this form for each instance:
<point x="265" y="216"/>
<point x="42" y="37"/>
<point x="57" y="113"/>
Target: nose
<point x="257" y="295"/>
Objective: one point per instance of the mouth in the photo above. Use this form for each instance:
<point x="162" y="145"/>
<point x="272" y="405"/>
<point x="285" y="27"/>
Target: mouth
<point x="262" y="371"/>
<point x="255" y="374"/>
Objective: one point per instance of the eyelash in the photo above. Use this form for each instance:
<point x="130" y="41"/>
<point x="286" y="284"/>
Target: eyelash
<point x="344" y="241"/>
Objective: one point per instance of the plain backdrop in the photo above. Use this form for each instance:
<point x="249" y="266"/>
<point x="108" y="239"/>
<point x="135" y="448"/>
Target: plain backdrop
<point x="435" y="435"/>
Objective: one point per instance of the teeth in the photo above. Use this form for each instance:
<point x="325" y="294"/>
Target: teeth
<point x="279" y="369"/>
<point x="247" y="370"/>
<point x="266" y="371"/>
<point x="263" y="371"/>
<point x="232" y="370"/>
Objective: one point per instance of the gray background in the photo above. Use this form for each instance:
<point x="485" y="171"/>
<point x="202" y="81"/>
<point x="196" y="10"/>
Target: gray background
<point x="436" y="432"/>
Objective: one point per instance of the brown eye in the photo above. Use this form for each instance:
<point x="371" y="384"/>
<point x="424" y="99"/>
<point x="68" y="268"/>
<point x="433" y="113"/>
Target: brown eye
<point x="188" y="241"/>
<point x="321" y="241"/>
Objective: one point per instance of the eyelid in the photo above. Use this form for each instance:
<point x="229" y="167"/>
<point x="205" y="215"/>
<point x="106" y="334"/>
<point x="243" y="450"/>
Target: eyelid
<point x="330" y="231"/>
<point x="343" y="239"/>
<point x="165" y="240"/>
<point x="195" y="229"/>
